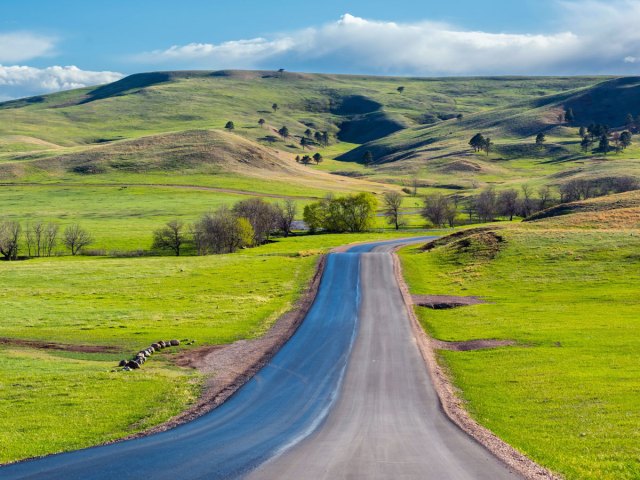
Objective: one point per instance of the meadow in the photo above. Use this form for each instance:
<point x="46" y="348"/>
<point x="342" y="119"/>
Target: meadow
<point x="567" y="393"/>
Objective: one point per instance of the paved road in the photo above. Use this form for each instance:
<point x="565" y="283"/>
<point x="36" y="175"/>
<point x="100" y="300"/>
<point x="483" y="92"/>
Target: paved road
<point x="386" y="423"/>
<point x="348" y="397"/>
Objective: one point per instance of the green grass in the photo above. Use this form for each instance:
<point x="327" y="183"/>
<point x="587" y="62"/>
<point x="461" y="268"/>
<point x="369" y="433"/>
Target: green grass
<point x="53" y="401"/>
<point x="567" y="395"/>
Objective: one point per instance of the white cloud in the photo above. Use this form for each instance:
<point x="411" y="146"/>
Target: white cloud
<point x="21" y="46"/>
<point x="21" y="81"/>
<point x="596" y="37"/>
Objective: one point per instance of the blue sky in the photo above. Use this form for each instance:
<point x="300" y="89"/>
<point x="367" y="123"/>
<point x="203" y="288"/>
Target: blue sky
<point x="47" y="46"/>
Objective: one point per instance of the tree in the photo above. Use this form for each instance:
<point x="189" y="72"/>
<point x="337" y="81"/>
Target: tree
<point x="477" y="142"/>
<point x="437" y="209"/>
<point x="318" y="137"/>
<point x="35" y="237"/>
<point x="262" y="216"/>
<point x="625" y="139"/>
<point x="527" y="201"/>
<point x="298" y="158"/>
<point x="392" y="202"/>
<point x="508" y="203"/>
<point x="352" y="213"/>
<point x="400" y="89"/>
<point x="485" y="204"/>
<point x="75" y="238"/>
<point x="10" y="239"/>
<point x="284" y="132"/>
<point x="305" y="160"/>
<point x="261" y="122"/>
<point x="569" y="116"/>
<point x="367" y="158"/>
<point x="286" y="215"/>
<point x="325" y="139"/>
<point x="304" y="141"/>
<point x="561" y="117"/>
<point x="545" y="197"/>
<point x="616" y="142"/>
<point x="313" y="216"/>
<point x="459" y="117"/>
<point x="488" y="144"/>
<point x="317" y="157"/>
<point x="229" y="125"/>
<point x="630" y="122"/>
<point x="582" y="132"/>
<point x="604" y="144"/>
<point x="585" y="143"/>
<point x="308" y="133"/>
<point x="540" y="139"/>
<point x="275" y="107"/>
<point x="415" y="183"/>
<point x="50" y="239"/>
<point x="170" y="237"/>
<point x="221" y="232"/>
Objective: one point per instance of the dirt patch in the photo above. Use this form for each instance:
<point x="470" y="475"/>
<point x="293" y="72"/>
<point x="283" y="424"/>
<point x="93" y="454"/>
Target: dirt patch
<point x="453" y="406"/>
<point x="470" y="345"/>
<point x="443" y="302"/>
<point x="229" y="367"/>
<point x="58" y="346"/>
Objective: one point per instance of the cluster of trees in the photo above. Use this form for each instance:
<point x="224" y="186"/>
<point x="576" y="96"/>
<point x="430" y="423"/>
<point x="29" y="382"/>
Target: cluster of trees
<point x="351" y="213"/>
<point x="40" y="239"/>
<point x="248" y="223"/>
<point x="307" y="159"/>
<point x="602" y="133"/>
<point x="481" y="143"/>
<point x="584" y="188"/>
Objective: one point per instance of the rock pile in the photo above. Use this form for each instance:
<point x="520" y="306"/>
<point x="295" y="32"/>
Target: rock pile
<point x="143" y="355"/>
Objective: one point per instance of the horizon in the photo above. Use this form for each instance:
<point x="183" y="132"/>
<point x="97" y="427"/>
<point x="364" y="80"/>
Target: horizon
<point x="46" y="48"/>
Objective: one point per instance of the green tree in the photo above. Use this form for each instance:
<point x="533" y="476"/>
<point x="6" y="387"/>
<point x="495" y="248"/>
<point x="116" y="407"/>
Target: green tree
<point x="582" y="132"/>
<point x="604" y="144"/>
<point x="541" y="138"/>
<point x="229" y="125"/>
<point x="170" y="237"/>
<point x="585" y="143"/>
<point x="367" y="158"/>
<point x="318" y="137"/>
<point x="569" y="116"/>
<point x="488" y="144"/>
<point x="308" y="133"/>
<point x="275" y="107"/>
<point x="325" y="139"/>
<point x="625" y="139"/>
<point x="477" y="142"/>
<point x="284" y="132"/>
<point x="261" y="122"/>
<point x="317" y="157"/>
<point x="304" y="141"/>
<point x="400" y="89"/>
<point x="305" y="160"/>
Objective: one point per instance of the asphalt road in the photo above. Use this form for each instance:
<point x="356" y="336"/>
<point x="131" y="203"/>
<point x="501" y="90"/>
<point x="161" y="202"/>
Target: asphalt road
<point x="348" y="397"/>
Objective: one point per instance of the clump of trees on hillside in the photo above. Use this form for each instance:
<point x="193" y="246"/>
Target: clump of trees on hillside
<point x="481" y="143"/>
<point x="351" y="213"/>
<point x="605" y="137"/>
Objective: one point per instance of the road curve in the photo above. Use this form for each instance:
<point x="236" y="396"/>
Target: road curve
<point x="347" y="397"/>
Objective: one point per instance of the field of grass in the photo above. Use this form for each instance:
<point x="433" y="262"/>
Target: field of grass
<point x="567" y="394"/>
<point x="54" y="400"/>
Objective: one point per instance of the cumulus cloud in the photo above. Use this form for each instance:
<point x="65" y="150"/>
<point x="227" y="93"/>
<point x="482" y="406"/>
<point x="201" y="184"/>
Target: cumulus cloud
<point x="21" y="81"/>
<point x="21" y="46"/>
<point x="597" y="37"/>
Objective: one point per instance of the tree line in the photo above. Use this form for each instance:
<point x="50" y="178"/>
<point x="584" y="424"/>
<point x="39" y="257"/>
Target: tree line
<point x="248" y="223"/>
<point x="40" y="239"/>
<point x="350" y="213"/>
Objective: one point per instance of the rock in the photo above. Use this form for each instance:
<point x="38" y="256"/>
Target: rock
<point x="122" y="363"/>
<point x="175" y="343"/>
<point x="156" y="346"/>
<point x="162" y="344"/>
<point x="167" y="343"/>
<point x="126" y="369"/>
<point x="132" y="364"/>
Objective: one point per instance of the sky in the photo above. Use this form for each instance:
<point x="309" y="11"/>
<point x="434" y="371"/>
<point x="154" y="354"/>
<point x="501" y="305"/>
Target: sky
<point x="48" y="46"/>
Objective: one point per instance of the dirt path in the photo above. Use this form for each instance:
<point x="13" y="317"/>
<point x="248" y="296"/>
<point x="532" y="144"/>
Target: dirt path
<point x="159" y="185"/>
<point x="58" y="346"/>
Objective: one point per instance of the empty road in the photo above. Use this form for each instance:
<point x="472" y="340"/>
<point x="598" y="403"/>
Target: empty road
<point x="348" y="397"/>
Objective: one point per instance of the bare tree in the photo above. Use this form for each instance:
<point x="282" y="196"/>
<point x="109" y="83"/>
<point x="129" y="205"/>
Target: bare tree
<point x="392" y="202"/>
<point x="75" y="238"/>
<point x="508" y="203"/>
<point x="415" y="183"/>
<point x="262" y="215"/>
<point x="545" y="197"/>
<point x="50" y="240"/>
<point x="35" y="236"/>
<point x="485" y="204"/>
<point x="10" y="239"/>
<point x="527" y="201"/>
<point x="170" y="237"/>
<point x="221" y="232"/>
<point x="437" y="209"/>
<point x="286" y="215"/>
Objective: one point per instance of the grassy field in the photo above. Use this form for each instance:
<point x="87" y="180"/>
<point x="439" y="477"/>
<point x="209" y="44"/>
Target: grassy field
<point x="567" y="394"/>
<point x="53" y="400"/>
